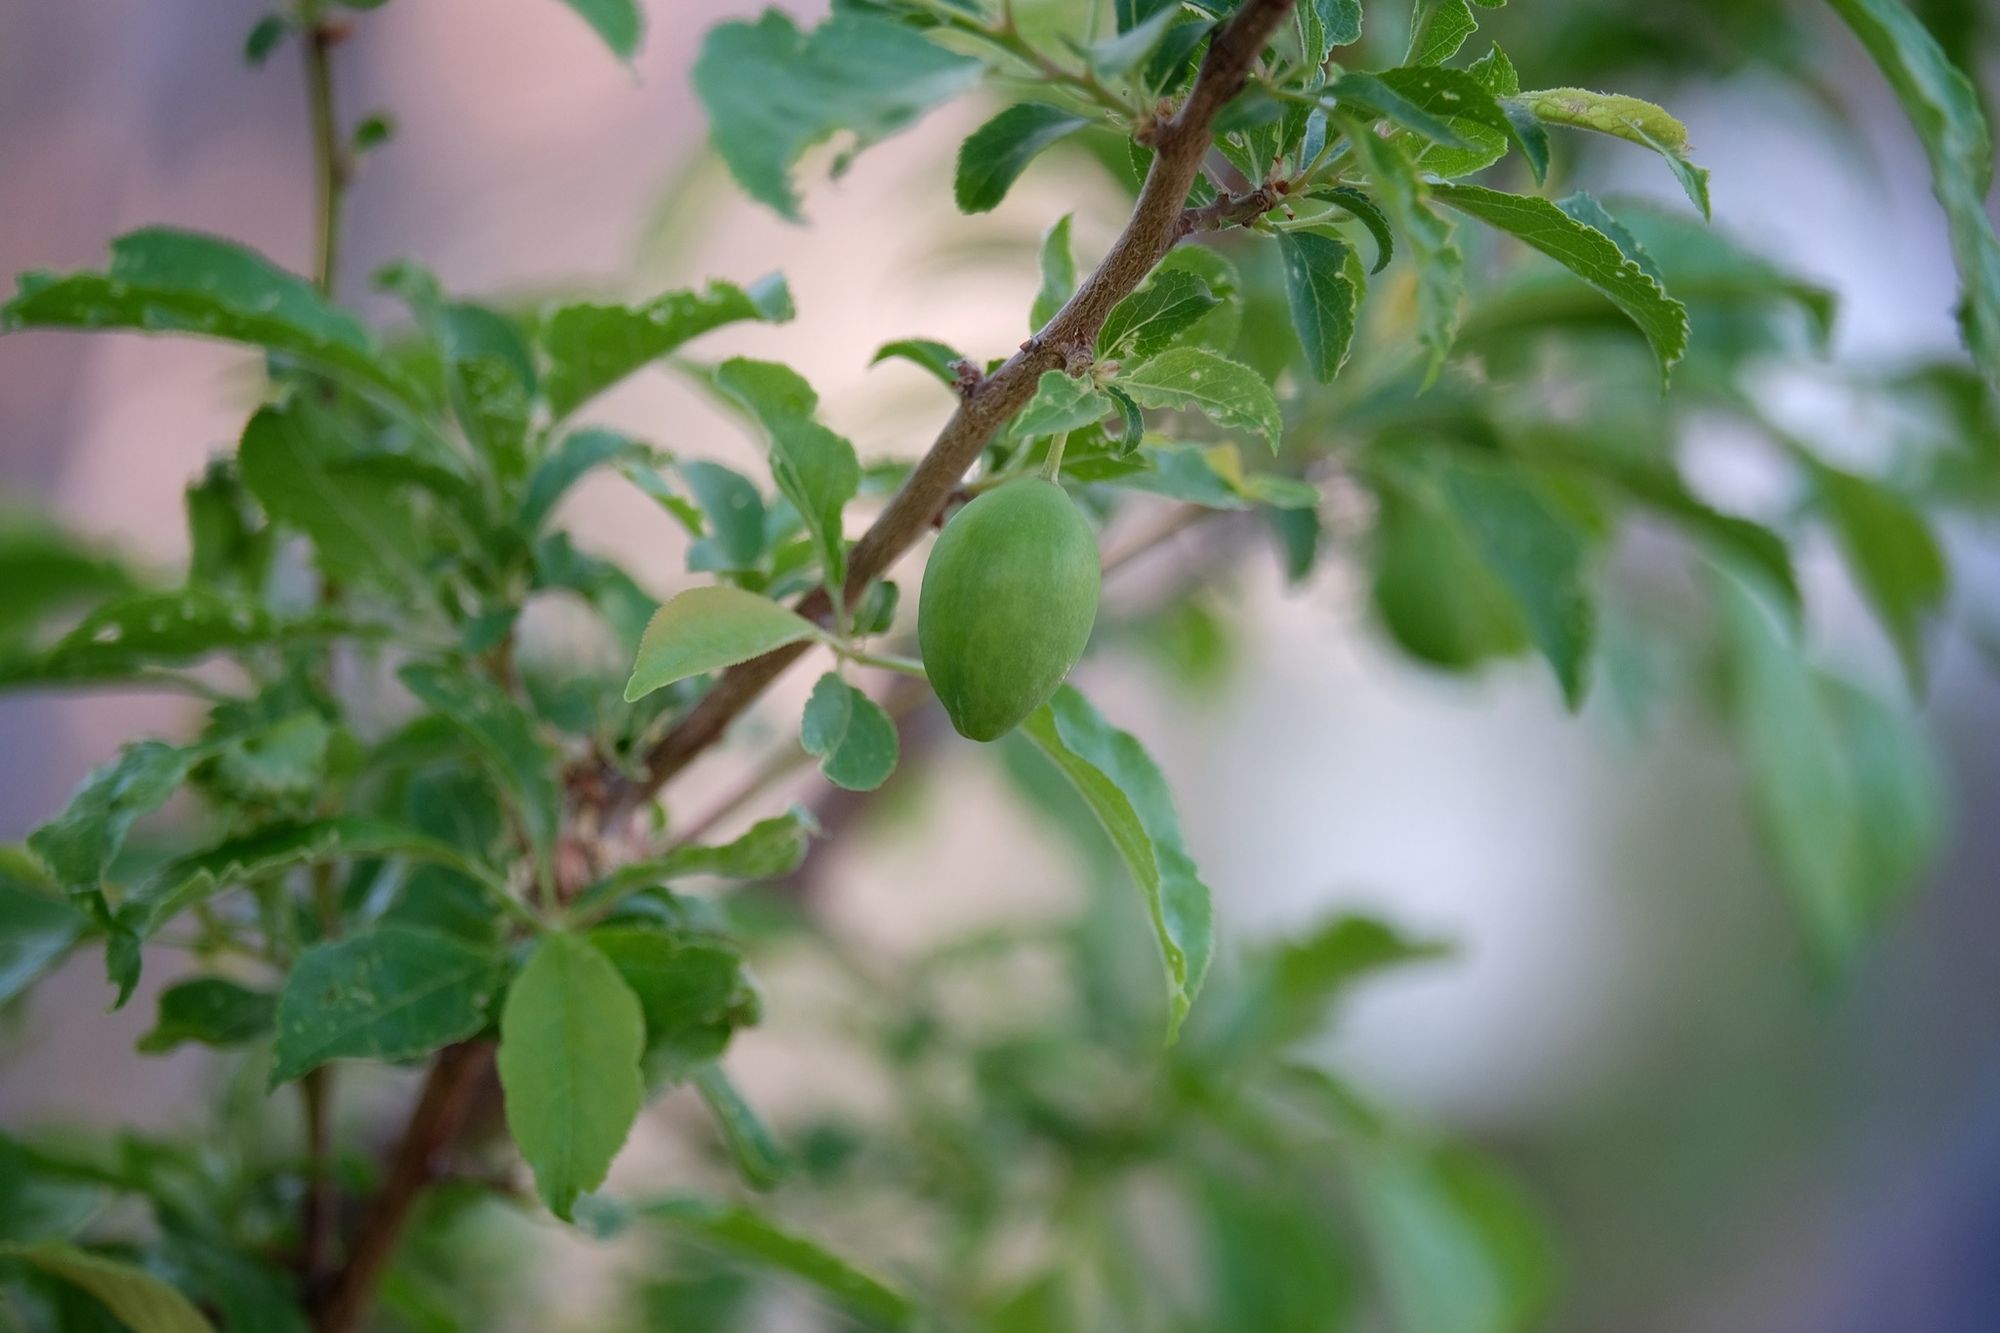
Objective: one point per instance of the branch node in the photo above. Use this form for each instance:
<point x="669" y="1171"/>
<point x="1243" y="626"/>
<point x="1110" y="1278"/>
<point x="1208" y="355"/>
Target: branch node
<point x="966" y="377"/>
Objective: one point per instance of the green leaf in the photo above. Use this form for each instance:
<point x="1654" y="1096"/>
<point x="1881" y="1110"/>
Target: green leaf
<point x="621" y="23"/>
<point x="126" y="636"/>
<point x="691" y="990"/>
<point x="188" y="879"/>
<point x="751" y="1144"/>
<point x="734" y="508"/>
<point x="493" y="383"/>
<point x="214" y="1011"/>
<point x="1439" y="27"/>
<point x="1539" y="555"/>
<point x="705" y="629"/>
<point x="571" y="1036"/>
<point x="1295" y="981"/>
<point x="45" y="571"/>
<point x="372" y="132"/>
<point x="1230" y="394"/>
<point x="1627" y="118"/>
<point x="37" y="927"/>
<point x="588" y="348"/>
<point x="1125" y="790"/>
<point x="1440" y="268"/>
<point x="360" y="522"/>
<point x="1151" y="319"/>
<point x="748" y="1236"/>
<point x="1062" y="403"/>
<point x="772" y="91"/>
<point x="1134" y="420"/>
<point x="993" y="157"/>
<point x="1220" y="329"/>
<point x="392" y="993"/>
<point x="1464" y="102"/>
<point x="814" y="468"/>
<point x="1845" y="787"/>
<point x="853" y="739"/>
<point x="1059" y="277"/>
<point x="1944" y="107"/>
<point x="1436" y="596"/>
<point x="1456" y="1244"/>
<point x="139" y="1300"/>
<point x="770" y="849"/>
<point x="166" y="281"/>
<point x="1324" y="25"/>
<point x="1640" y="470"/>
<point x="1323" y="287"/>
<point x="506" y="737"/>
<point x="1361" y="207"/>
<point x="1342" y="20"/>
<point x="79" y="844"/>
<point x="1116" y="56"/>
<point x="933" y="356"/>
<point x="1589" y="254"/>
<point x="579" y="453"/>
<point x="1894" y="556"/>
<point x="264" y="37"/>
<point x="1374" y="94"/>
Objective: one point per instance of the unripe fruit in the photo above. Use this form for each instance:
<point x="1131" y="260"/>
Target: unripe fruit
<point x="1008" y="599"/>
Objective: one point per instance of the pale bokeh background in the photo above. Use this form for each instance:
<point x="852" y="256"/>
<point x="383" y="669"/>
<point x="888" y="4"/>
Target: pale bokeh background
<point x="1722" y="1147"/>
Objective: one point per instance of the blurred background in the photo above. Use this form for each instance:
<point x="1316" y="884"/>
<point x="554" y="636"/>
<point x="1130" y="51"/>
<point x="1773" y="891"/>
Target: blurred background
<point x="1721" y="1137"/>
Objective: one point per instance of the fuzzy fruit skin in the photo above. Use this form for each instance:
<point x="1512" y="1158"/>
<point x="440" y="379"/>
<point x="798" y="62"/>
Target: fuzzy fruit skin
<point x="1008" y="600"/>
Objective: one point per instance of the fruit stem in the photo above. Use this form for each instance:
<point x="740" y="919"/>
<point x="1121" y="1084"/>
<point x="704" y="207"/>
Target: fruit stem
<point x="909" y="666"/>
<point x="1052" y="465"/>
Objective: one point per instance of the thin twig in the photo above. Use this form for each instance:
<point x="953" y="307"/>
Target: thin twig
<point x="1156" y="225"/>
<point x="329" y="157"/>
<point x="442" y="1109"/>
<point x="318" y="1220"/>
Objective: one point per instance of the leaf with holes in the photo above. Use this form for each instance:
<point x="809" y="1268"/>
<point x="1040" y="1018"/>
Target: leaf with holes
<point x="1152" y="319"/>
<point x="773" y="91"/>
<point x="1628" y="118"/>
<point x="1230" y="394"/>
<point x="588" y="348"/>
<point x="392" y="993"/>
<point x="213" y="1011"/>
<point x="80" y="844"/>
<point x="165" y="281"/>
<point x="1586" y="252"/>
<point x="1323" y="287"/>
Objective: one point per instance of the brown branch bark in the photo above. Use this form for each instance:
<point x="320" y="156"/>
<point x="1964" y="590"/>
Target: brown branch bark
<point x="449" y="1092"/>
<point x="1157" y="223"/>
<point x="1159" y="220"/>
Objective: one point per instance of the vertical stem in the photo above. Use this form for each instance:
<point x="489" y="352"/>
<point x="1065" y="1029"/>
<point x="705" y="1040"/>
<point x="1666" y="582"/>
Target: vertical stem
<point x="316" y="1223"/>
<point x="442" y="1107"/>
<point x="319" y="1216"/>
<point x="1052" y="465"/>
<point x="329" y="160"/>
<point x="319" y="1221"/>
